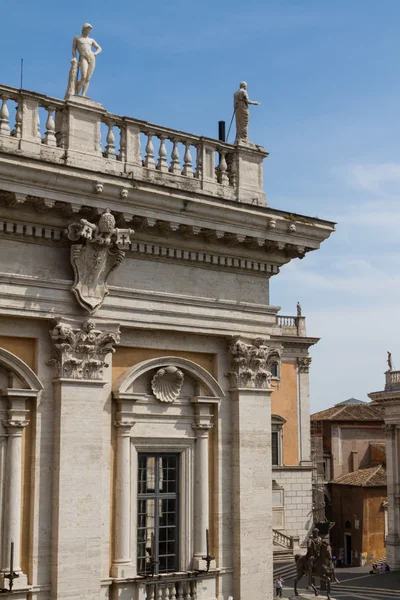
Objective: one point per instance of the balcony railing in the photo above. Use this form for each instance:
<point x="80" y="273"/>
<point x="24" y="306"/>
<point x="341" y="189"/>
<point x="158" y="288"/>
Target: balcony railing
<point x="292" y="325"/>
<point x="79" y="132"/>
<point x="169" y="588"/>
<point x="392" y="381"/>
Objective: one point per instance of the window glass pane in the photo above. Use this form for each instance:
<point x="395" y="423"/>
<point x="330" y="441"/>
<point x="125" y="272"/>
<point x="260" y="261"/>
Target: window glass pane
<point x="275" y="448"/>
<point x="277" y="498"/>
<point x="157" y="513"/>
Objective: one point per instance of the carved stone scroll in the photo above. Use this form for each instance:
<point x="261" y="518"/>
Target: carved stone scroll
<point x="251" y="363"/>
<point x="93" y="260"/>
<point x="79" y="353"/>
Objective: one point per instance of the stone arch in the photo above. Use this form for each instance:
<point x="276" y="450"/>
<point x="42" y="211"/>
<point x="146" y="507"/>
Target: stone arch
<point x="18" y="368"/>
<point x="124" y="383"/>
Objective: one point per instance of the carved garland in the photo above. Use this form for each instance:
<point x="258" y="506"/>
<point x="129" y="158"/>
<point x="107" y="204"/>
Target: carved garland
<point x="252" y="363"/>
<point x="80" y="353"/>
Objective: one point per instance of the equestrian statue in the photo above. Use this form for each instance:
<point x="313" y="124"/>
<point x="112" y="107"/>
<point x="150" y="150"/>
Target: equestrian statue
<point x="317" y="562"/>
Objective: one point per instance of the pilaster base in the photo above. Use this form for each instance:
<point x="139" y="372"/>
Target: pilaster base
<point x="123" y="570"/>
<point x="199" y="564"/>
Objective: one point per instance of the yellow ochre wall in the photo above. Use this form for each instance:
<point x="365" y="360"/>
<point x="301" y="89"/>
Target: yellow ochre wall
<point x="284" y="404"/>
<point x="24" y="348"/>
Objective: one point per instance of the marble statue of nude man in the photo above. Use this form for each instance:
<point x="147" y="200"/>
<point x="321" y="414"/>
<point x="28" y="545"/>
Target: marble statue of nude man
<point x="87" y="61"/>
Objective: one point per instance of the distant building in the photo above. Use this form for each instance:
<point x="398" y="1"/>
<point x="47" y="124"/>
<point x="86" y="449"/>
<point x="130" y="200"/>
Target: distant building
<point x="349" y="453"/>
<point x="389" y="401"/>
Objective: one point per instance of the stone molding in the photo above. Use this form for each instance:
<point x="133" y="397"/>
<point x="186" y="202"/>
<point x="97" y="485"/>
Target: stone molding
<point x="251" y="363"/>
<point x="80" y="352"/>
<point x="303" y="363"/>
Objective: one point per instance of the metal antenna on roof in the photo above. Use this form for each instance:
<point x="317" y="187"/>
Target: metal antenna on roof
<point x="22" y="73"/>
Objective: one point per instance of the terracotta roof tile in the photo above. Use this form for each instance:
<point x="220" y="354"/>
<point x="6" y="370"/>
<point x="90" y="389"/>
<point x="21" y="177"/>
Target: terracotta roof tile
<point x="367" y="477"/>
<point x="351" y="412"/>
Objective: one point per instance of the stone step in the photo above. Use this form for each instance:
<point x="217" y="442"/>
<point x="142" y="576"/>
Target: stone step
<point x="369" y="591"/>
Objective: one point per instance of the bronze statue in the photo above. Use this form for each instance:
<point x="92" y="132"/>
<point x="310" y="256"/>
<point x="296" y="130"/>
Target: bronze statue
<point x="317" y="562"/>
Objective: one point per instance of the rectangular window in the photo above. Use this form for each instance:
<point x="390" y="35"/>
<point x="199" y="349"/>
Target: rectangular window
<point x="275" y="447"/>
<point x="157" y="535"/>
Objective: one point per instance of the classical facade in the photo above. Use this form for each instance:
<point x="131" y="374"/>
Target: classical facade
<point x="389" y="401"/>
<point x="139" y="355"/>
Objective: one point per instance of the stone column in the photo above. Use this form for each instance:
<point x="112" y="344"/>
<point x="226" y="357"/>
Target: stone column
<point x="13" y="498"/>
<point x="122" y="563"/>
<point x="303" y="391"/>
<point x="80" y="399"/>
<point x="250" y="388"/>
<point x="202" y="425"/>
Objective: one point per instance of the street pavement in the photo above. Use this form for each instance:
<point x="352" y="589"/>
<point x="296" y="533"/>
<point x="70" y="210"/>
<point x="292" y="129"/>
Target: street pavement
<point x="356" y="584"/>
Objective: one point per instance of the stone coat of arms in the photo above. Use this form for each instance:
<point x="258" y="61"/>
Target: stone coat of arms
<point x="94" y="259"/>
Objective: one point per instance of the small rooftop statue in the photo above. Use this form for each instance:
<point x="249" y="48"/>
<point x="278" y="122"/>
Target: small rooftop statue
<point x="241" y="103"/>
<point x="389" y="360"/>
<point x="298" y="309"/>
<point x="87" y="61"/>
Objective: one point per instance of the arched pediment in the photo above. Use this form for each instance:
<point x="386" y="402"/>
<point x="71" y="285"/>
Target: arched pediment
<point x="126" y="380"/>
<point x="11" y="363"/>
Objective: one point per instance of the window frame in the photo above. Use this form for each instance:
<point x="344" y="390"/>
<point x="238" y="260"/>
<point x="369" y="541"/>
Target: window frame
<point x="185" y="449"/>
<point x="157" y="496"/>
<point x="277" y="423"/>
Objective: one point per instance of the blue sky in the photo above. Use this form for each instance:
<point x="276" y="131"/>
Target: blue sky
<point x="327" y="76"/>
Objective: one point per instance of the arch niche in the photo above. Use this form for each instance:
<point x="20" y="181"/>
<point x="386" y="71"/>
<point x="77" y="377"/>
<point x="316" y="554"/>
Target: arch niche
<point x="18" y="384"/>
<point x="139" y="407"/>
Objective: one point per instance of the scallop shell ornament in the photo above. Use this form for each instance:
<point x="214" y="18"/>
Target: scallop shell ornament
<point x="167" y="384"/>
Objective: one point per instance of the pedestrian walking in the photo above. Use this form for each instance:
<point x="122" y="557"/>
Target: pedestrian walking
<point x="278" y="586"/>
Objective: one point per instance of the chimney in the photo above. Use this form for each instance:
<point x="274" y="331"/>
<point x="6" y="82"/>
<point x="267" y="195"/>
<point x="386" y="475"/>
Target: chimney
<point x="354" y="460"/>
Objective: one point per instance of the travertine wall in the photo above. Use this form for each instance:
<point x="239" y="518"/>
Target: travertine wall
<point x="297" y="499"/>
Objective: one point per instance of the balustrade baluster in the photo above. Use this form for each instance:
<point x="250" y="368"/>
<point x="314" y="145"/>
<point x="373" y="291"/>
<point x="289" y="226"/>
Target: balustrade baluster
<point x="122" y="144"/>
<point x="199" y="162"/>
<point x="175" y="163"/>
<point x="180" y="591"/>
<point x="166" y="592"/>
<point x="159" y="593"/>
<point x="193" y="587"/>
<point x="187" y="592"/>
<point x="149" y="158"/>
<point x="150" y="592"/>
<point x="223" y="167"/>
<point x="4" y="117"/>
<point x="233" y="172"/>
<point x="50" y="135"/>
<point x="187" y="162"/>
<point x="173" y="592"/>
<point x="38" y="133"/>
<point x="162" y="164"/>
<point x="110" y="139"/>
<point x="17" y="132"/>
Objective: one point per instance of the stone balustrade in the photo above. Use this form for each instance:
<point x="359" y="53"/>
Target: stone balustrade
<point x="168" y="588"/>
<point x="78" y="131"/>
<point x="281" y="539"/>
<point x="292" y="325"/>
<point x="392" y="381"/>
<point x="284" y="321"/>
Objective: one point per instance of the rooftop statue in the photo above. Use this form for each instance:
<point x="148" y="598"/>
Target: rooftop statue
<point x="241" y="103"/>
<point x="389" y="360"/>
<point x="87" y="61"/>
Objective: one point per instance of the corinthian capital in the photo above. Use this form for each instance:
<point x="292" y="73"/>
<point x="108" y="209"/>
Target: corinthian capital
<point x="251" y="363"/>
<point x="389" y="430"/>
<point x="80" y="352"/>
<point x="304" y="363"/>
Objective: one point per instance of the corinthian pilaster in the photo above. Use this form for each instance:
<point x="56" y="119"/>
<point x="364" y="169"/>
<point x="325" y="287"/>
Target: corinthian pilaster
<point x="82" y="412"/>
<point x="251" y="363"/>
<point x="251" y="387"/>
<point x="80" y="351"/>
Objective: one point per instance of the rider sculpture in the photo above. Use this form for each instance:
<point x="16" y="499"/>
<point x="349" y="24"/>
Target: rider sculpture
<point x="317" y="562"/>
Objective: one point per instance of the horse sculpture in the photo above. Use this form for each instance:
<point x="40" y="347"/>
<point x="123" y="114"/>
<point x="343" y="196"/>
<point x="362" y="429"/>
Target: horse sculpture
<point x="322" y="567"/>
